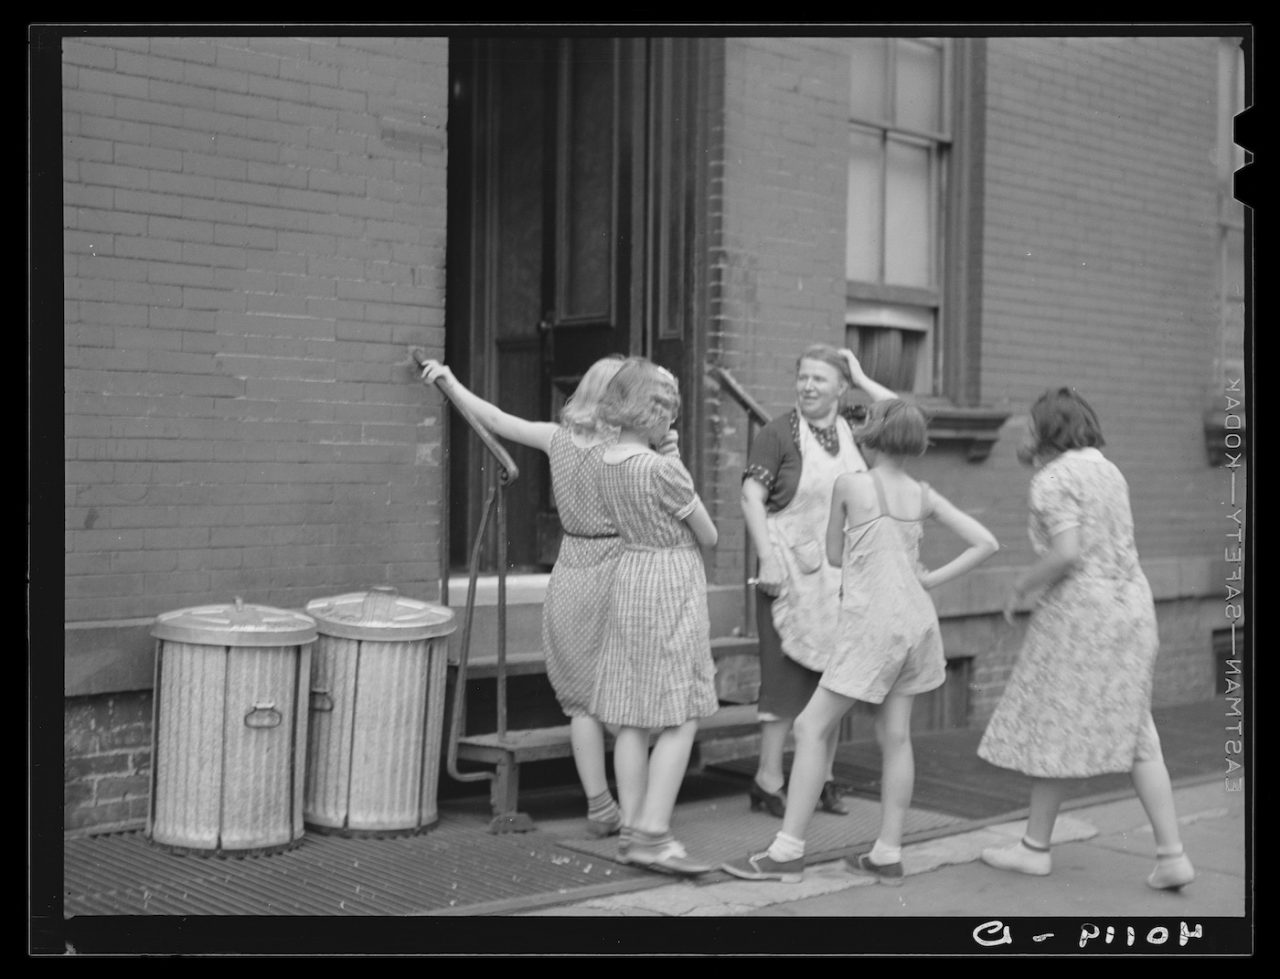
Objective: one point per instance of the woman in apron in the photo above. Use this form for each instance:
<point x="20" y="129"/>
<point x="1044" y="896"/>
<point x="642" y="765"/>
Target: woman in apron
<point x="786" y="499"/>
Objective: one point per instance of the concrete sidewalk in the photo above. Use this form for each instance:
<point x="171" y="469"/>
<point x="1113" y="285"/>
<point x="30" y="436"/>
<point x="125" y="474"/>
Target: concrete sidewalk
<point x="1102" y="855"/>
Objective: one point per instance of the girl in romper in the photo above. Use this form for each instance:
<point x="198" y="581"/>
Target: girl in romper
<point x="655" y="671"/>
<point x="578" y="589"/>
<point x="888" y="646"/>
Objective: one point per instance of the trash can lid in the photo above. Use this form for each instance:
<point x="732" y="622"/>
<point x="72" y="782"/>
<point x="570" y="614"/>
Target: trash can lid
<point x="380" y="613"/>
<point x="236" y="624"/>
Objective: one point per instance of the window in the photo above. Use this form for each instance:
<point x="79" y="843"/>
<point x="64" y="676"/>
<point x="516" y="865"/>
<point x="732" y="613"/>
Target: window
<point x="900" y="151"/>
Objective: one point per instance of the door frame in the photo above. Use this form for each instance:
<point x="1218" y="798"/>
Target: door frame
<point x="665" y="282"/>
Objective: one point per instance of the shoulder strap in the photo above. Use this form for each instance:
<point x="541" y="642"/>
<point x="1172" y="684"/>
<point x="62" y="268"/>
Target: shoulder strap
<point x="875" y="478"/>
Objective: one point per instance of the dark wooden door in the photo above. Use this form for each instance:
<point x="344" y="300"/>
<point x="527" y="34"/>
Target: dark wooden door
<point x="568" y="242"/>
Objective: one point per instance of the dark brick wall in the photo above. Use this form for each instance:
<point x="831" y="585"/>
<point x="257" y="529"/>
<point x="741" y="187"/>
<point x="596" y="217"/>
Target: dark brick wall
<point x="107" y="761"/>
<point x="1099" y="261"/>
<point x="254" y="237"/>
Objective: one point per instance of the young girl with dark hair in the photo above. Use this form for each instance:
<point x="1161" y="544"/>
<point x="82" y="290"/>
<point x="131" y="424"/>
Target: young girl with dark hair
<point x="888" y="647"/>
<point x="1078" y="702"/>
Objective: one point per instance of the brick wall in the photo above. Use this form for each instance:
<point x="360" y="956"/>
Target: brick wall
<point x="1101" y="254"/>
<point x="777" y="268"/>
<point x="1099" y="265"/>
<point x="107" y="761"/>
<point x="1098" y="270"/>
<point x="254" y="237"/>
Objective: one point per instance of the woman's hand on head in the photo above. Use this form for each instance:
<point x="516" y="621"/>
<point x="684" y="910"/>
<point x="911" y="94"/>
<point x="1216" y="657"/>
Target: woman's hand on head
<point x="855" y="367"/>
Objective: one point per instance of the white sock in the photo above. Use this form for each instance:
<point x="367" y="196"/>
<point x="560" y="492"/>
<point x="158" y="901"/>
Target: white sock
<point x="785" y="848"/>
<point x="1168" y="852"/>
<point x="882" y="854"/>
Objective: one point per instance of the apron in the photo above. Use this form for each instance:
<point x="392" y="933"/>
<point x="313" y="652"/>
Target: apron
<point x="807" y="606"/>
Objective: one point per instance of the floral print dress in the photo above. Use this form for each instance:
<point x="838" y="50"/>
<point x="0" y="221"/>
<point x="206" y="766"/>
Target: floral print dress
<point x="1078" y="702"/>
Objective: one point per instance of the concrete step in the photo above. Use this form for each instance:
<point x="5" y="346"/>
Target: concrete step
<point x="524" y="598"/>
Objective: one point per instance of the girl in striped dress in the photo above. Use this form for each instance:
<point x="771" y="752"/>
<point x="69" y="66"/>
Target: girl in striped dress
<point x="573" y="616"/>
<point x="655" y="670"/>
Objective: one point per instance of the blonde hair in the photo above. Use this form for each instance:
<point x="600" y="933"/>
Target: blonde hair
<point x="581" y="411"/>
<point x="641" y="397"/>
<point x="895" y="427"/>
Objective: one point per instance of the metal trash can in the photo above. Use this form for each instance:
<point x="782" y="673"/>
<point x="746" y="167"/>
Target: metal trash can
<point x="376" y="715"/>
<point x="229" y="729"/>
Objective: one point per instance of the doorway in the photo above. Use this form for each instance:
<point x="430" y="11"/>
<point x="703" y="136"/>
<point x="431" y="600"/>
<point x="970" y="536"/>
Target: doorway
<point x="573" y="219"/>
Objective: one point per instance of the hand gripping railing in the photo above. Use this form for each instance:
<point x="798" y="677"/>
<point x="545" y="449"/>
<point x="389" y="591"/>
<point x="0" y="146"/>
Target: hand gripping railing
<point x="495" y="504"/>
<point x="756" y="418"/>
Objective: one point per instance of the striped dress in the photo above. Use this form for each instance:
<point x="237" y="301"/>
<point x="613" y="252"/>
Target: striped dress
<point x="656" y="668"/>
<point x="577" y="602"/>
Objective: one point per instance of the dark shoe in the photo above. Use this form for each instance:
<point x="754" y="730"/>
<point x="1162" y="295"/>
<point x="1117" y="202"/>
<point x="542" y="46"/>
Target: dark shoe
<point x="886" y="873"/>
<point x="830" y="802"/>
<point x="761" y="866"/>
<point x="775" y="803"/>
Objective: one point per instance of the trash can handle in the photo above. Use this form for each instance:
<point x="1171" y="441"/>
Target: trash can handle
<point x="321" y="700"/>
<point x="263" y="715"/>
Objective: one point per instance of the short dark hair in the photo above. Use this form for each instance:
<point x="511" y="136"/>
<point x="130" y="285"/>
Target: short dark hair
<point x="895" y="427"/>
<point x="1063" y="420"/>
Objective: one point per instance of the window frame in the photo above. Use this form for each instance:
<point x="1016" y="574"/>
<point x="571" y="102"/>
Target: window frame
<point x="957" y="416"/>
<point x="888" y="131"/>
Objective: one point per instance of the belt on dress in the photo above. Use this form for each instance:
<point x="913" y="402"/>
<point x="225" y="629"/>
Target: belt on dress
<point x="570" y="533"/>
<point x="653" y="547"/>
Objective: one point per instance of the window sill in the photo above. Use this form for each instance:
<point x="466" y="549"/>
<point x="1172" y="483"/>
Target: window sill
<point x="973" y="430"/>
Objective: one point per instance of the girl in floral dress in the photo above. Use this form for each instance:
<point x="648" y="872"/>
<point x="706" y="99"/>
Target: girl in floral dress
<point x="1078" y="702"/>
<point x="655" y="670"/>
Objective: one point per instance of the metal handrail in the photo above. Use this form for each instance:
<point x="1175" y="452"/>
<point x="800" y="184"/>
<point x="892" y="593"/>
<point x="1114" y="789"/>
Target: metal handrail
<point x="507" y="472"/>
<point x="757" y="417"/>
<point x="750" y="405"/>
